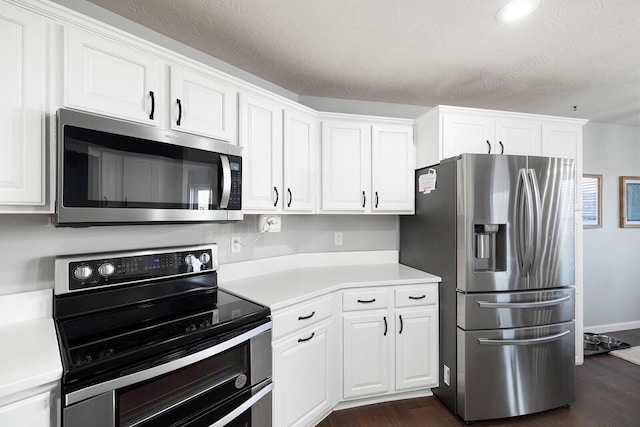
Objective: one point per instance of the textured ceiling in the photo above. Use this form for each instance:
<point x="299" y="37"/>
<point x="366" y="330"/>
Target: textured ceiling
<point x="422" y="52"/>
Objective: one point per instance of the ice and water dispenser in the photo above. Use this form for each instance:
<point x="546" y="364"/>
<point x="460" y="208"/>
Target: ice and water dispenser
<point x="490" y="247"/>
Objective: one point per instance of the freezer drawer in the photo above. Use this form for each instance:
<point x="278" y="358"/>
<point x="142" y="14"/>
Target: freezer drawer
<point x="514" y="309"/>
<point x="510" y="372"/>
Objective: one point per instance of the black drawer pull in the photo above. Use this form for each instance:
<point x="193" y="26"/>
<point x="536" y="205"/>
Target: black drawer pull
<point x="489" y="144"/>
<point x="313" y="334"/>
<point x="306" y="317"/>
<point x="502" y="147"/>
<point x="401" y="324"/>
<point x="368" y="301"/>
<point x="422" y="297"/>
<point x="179" y="112"/>
<point x="385" y="326"/>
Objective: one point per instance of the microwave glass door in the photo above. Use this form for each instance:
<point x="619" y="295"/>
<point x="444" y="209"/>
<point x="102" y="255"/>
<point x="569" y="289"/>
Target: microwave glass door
<point x="105" y="170"/>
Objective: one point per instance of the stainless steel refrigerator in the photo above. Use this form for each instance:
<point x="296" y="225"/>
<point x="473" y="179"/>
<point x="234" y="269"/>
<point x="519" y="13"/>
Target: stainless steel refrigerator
<point x="499" y="230"/>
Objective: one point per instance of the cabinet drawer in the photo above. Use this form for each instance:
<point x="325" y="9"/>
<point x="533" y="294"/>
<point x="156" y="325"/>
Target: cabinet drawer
<point x="301" y="316"/>
<point x="366" y="299"/>
<point x="418" y="295"/>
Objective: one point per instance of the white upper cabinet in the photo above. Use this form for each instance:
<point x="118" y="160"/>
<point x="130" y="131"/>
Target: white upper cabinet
<point x="202" y="105"/>
<point x="22" y="110"/>
<point x="261" y="136"/>
<point x="445" y="132"/>
<point x="106" y="76"/>
<point x="392" y="168"/>
<point x="367" y="167"/>
<point x="346" y="168"/>
<point x="518" y="137"/>
<point x="300" y="158"/>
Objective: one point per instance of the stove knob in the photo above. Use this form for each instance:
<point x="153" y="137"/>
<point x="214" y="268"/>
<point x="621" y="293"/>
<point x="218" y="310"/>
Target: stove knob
<point x="82" y="272"/>
<point x="106" y="270"/>
<point x="190" y="259"/>
<point x="204" y="257"/>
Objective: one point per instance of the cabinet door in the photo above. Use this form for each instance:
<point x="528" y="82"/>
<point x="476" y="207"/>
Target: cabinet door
<point x="299" y="161"/>
<point x="392" y="168"/>
<point x="466" y="134"/>
<point x="106" y="76"/>
<point x="34" y="411"/>
<point x="519" y="137"/>
<point x="416" y="348"/>
<point x="202" y="104"/>
<point x="366" y="339"/>
<point x="22" y="110"/>
<point x="346" y="167"/>
<point x="302" y="372"/>
<point x="261" y="137"/>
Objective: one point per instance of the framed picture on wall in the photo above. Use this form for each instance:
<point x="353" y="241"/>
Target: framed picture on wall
<point x="630" y="201"/>
<point x="591" y="201"/>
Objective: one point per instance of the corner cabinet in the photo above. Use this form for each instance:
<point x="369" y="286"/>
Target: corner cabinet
<point x="23" y="110"/>
<point x="279" y="157"/>
<point x="390" y="340"/>
<point x="367" y="167"/>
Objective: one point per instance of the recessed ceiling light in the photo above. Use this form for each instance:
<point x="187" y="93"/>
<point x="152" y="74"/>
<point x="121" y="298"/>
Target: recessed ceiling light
<point x="516" y="9"/>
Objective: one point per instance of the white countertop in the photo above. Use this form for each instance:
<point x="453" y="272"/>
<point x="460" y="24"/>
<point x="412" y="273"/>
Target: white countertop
<point x="29" y="357"/>
<point x="283" y="288"/>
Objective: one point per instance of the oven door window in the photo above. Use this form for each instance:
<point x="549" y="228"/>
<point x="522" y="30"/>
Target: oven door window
<point x="104" y="170"/>
<point x="190" y="392"/>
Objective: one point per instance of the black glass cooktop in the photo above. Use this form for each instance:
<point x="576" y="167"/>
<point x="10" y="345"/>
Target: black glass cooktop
<point x="114" y="332"/>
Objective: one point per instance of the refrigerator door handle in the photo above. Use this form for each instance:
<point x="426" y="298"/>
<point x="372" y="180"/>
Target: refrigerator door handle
<point x="524" y="222"/>
<point x="530" y="341"/>
<point x="537" y="219"/>
<point x="536" y="304"/>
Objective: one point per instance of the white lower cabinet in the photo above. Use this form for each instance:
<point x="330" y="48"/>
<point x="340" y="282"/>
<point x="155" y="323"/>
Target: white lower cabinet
<point x="366" y="354"/>
<point x="389" y="333"/>
<point x="304" y="362"/>
<point x="33" y="411"/>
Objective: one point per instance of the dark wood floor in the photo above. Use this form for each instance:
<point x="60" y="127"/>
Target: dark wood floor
<point x="607" y="394"/>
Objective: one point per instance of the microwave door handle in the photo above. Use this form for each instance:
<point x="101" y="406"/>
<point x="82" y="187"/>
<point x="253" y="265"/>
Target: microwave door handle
<point x="226" y="182"/>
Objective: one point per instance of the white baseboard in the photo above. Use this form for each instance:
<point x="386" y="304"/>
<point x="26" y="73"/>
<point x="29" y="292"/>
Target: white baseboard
<point x="613" y="327"/>
<point x="380" y="399"/>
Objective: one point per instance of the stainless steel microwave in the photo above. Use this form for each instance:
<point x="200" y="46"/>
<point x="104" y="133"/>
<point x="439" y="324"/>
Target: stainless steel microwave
<point x="117" y="172"/>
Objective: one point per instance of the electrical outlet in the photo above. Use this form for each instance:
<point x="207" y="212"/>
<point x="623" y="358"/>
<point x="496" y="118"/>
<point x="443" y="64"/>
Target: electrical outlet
<point x="236" y="244"/>
<point x="337" y="238"/>
<point x="269" y="224"/>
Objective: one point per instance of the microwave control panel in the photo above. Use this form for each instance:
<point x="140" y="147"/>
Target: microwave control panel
<point x="235" y="198"/>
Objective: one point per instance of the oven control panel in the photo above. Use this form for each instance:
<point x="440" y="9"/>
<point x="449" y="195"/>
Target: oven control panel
<point x="76" y="273"/>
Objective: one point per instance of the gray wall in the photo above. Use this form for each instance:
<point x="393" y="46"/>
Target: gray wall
<point x="29" y="243"/>
<point x="611" y="253"/>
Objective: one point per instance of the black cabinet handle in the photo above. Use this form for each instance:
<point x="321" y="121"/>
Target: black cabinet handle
<point x="290" y="197"/>
<point x="313" y="334"/>
<point x="179" y="111"/>
<point x="489" y="144"/>
<point x="367" y="301"/>
<point x="153" y="105"/>
<point x="364" y="199"/>
<point x="422" y="297"/>
<point x="401" y="324"/>
<point x="376" y="199"/>
<point x="385" y="326"/>
<point x="306" y="317"/>
<point x="501" y="147"/>
<point x="277" y="196"/>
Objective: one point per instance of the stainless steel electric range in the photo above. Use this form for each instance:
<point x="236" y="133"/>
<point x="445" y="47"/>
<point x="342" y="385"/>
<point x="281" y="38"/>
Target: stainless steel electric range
<point x="148" y="339"/>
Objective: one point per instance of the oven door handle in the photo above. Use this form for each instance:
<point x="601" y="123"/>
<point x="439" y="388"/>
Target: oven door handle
<point x="226" y="182"/>
<point x="137" y="377"/>
<point x="243" y="407"/>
